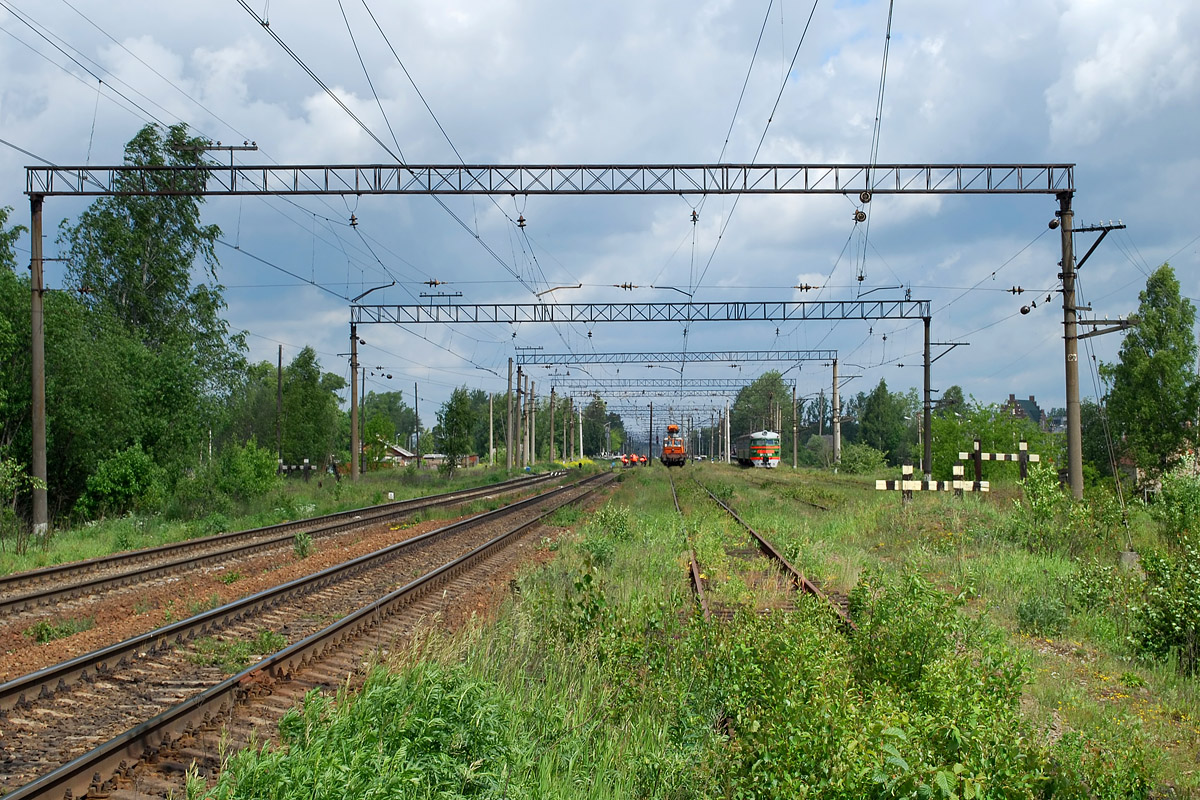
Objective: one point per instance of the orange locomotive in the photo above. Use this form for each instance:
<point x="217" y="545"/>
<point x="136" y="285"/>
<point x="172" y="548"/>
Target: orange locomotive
<point x="674" y="454"/>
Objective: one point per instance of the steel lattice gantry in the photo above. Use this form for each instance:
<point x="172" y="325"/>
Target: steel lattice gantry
<point x="526" y="359"/>
<point x="772" y="311"/>
<point x="577" y="179"/>
<point x="649" y="386"/>
<point x="632" y="179"/>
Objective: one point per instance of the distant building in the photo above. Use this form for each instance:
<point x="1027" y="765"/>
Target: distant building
<point x="1025" y="409"/>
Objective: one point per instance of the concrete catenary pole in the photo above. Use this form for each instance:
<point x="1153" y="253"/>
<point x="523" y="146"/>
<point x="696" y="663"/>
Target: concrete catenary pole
<point x="1071" y="346"/>
<point x="279" y="406"/>
<point x="728" y="441"/>
<point x="795" y="429"/>
<point x="518" y="440"/>
<point x="927" y="414"/>
<point x="552" y="424"/>
<point x="580" y="432"/>
<point x="532" y="422"/>
<point x="491" y="431"/>
<point x="355" y="444"/>
<point x="508" y="423"/>
<point x="41" y="508"/>
<point x="837" y="419"/>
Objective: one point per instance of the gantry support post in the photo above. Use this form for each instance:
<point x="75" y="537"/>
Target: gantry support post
<point x="508" y="423"/>
<point x="41" y="513"/>
<point x="1071" y="347"/>
<point x="355" y="443"/>
<point x="927" y="415"/>
<point x="837" y="419"/>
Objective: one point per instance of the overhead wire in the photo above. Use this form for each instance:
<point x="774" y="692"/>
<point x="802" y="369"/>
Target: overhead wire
<point x="761" y="140"/>
<point x="875" y="136"/>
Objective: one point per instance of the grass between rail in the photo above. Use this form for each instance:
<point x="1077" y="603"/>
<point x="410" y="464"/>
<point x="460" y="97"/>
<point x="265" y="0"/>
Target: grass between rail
<point x="994" y="659"/>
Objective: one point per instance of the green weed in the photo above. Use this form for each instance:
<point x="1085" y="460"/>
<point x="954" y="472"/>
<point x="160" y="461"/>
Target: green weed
<point x="234" y="656"/>
<point x="43" y="631"/>
<point x="302" y="544"/>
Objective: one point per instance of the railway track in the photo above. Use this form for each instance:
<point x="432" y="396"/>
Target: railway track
<point x="27" y="591"/>
<point x="66" y="724"/>
<point x="760" y="545"/>
<point x="697" y="577"/>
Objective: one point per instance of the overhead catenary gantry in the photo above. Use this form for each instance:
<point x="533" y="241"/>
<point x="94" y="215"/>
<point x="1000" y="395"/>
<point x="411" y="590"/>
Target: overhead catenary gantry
<point x="527" y="358"/>
<point x="212" y="180"/>
<point x="608" y="387"/>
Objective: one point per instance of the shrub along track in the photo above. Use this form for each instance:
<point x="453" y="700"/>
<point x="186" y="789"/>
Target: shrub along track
<point x="764" y="582"/>
<point x="61" y="713"/>
<point x="51" y="585"/>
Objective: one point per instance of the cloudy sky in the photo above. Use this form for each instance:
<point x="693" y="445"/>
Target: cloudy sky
<point x="1102" y="84"/>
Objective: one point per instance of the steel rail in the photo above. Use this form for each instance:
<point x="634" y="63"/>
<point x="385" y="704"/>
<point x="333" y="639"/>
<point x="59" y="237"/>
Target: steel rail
<point x="79" y="776"/>
<point x="799" y="581"/>
<point x="258" y="538"/>
<point x="693" y="565"/>
<point x="46" y="681"/>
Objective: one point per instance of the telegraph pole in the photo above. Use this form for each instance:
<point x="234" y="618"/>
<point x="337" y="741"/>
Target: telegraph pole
<point x="41" y="512"/>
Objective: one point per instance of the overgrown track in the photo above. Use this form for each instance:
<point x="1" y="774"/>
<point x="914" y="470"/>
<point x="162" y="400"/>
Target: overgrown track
<point x="84" y="578"/>
<point x="693" y="565"/>
<point x="57" y="715"/>
<point x="797" y="578"/>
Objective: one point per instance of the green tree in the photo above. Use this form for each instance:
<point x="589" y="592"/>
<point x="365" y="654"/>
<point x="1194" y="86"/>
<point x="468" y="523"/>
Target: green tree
<point x="452" y="434"/>
<point x="882" y="425"/>
<point x="310" y="410"/>
<point x="764" y="404"/>
<point x="951" y="401"/>
<point x="1155" y="391"/>
<point x="378" y="433"/>
<point x="997" y="433"/>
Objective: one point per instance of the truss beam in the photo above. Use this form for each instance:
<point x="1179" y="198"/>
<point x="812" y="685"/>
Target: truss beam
<point x="610" y="179"/>
<point x="730" y="356"/>
<point x="774" y="311"/>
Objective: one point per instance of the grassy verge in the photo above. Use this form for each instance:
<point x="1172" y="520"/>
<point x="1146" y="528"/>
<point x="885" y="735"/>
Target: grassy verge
<point x="292" y="499"/>
<point x="599" y="680"/>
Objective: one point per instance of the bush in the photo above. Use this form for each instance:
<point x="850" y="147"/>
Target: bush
<point x="124" y="481"/>
<point x="903" y="625"/>
<point x="861" y="459"/>
<point x="1039" y="614"/>
<point x="1178" y="504"/>
<point x="1108" y="763"/>
<point x="1167" y="624"/>
<point x="247" y="472"/>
